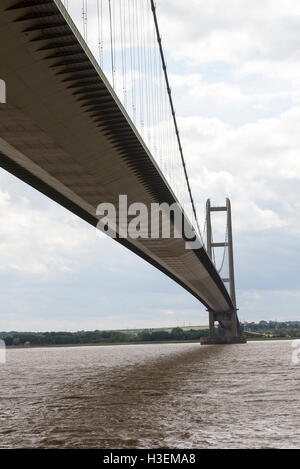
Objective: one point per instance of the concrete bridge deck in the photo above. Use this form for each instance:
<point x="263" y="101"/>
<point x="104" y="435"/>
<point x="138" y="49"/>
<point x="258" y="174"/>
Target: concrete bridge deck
<point x="64" y="132"/>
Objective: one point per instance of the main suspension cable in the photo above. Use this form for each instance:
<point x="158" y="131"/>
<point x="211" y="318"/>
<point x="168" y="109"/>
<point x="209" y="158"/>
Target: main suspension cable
<point x="164" y="66"/>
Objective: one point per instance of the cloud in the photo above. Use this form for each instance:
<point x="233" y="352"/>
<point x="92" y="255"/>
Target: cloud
<point x="239" y="31"/>
<point x="195" y="95"/>
<point x="256" y="165"/>
<point x="260" y="302"/>
<point x="38" y="240"/>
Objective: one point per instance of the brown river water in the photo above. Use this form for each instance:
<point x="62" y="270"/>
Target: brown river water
<point x="151" y="396"/>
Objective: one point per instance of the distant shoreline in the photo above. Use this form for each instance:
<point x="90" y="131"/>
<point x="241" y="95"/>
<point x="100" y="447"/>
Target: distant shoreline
<point x="104" y="344"/>
<point x="101" y="344"/>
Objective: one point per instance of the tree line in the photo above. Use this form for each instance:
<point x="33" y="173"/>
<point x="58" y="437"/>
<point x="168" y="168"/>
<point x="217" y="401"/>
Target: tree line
<point x="94" y="337"/>
<point x="269" y="328"/>
<point x="275" y="328"/>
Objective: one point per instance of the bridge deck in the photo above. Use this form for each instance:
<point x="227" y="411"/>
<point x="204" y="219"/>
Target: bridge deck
<point x="64" y="131"/>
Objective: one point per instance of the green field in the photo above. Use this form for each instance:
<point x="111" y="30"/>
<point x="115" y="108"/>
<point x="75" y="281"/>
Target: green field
<point x="167" y="329"/>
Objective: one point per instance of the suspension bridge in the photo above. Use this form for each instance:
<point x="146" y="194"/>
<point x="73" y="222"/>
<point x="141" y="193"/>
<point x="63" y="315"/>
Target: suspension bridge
<point x="89" y="115"/>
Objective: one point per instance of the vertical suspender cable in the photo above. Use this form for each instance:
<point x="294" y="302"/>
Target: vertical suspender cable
<point x="111" y="45"/>
<point x="83" y="19"/>
<point x="86" y="21"/>
<point x="99" y="32"/>
<point x="153" y="8"/>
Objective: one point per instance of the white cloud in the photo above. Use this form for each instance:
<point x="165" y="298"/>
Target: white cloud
<point x="38" y="240"/>
<point x="270" y="304"/>
<point x="227" y="100"/>
<point x="236" y="31"/>
<point x="255" y="165"/>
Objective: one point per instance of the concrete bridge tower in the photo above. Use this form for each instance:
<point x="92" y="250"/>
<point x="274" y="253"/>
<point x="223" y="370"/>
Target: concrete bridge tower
<point x="229" y="330"/>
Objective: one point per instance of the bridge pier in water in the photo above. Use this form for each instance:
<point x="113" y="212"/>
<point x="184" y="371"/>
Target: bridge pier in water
<point x="229" y="330"/>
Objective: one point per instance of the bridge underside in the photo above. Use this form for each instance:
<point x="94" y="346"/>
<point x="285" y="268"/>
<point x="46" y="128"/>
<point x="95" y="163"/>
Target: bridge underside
<point x="64" y="132"/>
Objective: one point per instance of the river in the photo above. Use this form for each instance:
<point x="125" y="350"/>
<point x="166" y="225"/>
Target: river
<point x="151" y="396"/>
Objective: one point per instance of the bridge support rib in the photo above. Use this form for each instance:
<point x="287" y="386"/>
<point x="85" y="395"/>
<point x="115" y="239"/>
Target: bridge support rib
<point x="230" y="331"/>
<point x="211" y="323"/>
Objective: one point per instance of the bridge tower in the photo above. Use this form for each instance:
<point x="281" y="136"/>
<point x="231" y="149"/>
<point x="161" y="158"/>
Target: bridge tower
<point x="229" y="330"/>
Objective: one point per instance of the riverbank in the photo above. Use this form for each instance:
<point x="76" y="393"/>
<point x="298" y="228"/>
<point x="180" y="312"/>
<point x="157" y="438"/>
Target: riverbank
<point x="104" y="344"/>
<point x="251" y="339"/>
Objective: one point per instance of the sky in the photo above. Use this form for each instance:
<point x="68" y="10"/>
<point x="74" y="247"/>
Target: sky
<point x="234" y="69"/>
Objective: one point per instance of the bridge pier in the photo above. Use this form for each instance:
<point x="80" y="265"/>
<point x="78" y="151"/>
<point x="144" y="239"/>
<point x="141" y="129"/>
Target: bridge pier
<point x="230" y="331"/>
